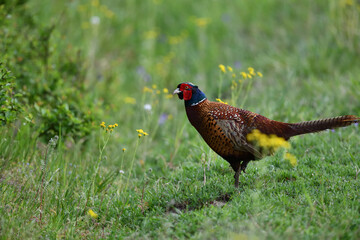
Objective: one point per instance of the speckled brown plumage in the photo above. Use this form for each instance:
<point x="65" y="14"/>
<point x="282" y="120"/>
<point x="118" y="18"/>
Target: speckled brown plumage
<point x="224" y="128"/>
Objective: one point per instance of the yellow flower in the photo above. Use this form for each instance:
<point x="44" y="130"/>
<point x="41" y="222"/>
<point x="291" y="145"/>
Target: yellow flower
<point x="147" y="89"/>
<point x="292" y="159"/>
<point x="92" y="214"/>
<point x="229" y="69"/>
<point x="249" y="75"/>
<point x="222" y="68"/>
<point x="233" y="75"/>
<point x="139" y="135"/>
<point x="110" y="126"/>
<point x="165" y="90"/>
<point x="259" y="74"/>
<point x="124" y="149"/>
<point x="201" y="22"/>
<point x="130" y="100"/>
<point x="244" y="75"/>
<point x="154" y="86"/>
<point x="168" y="96"/>
<point x="157" y="91"/>
<point x="116" y="125"/>
<point x="251" y="70"/>
<point x="253" y="135"/>
<point x="103" y="125"/>
<point x="140" y="131"/>
<point x="269" y="142"/>
<point x="219" y="100"/>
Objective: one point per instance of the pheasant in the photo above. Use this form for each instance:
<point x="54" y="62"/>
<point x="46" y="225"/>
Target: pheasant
<point x="225" y="128"/>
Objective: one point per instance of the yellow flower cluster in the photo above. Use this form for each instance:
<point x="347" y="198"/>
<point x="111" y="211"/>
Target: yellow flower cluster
<point x="292" y="159"/>
<point x="271" y="143"/>
<point x="174" y="40"/>
<point x="219" y="100"/>
<point x="244" y="75"/>
<point x="268" y="142"/>
<point x="154" y="89"/>
<point x="147" y="89"/>
<point x="92" y="214"/>
<point x="250" y="74"/>
<point x="109" y="128"/>
<point x="141" y="133"/>
<point x="222" y="68"/>
<point x="251" y="71"/>
<point x="201" y="22"/>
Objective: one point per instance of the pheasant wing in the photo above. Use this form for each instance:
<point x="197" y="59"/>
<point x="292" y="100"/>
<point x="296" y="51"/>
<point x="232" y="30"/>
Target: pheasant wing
<point x="235" y="130"/>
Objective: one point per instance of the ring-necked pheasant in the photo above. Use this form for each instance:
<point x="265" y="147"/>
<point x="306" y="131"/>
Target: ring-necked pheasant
<point x="225" y="128"/>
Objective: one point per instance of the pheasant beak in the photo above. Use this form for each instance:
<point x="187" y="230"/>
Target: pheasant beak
<point x="177" y="91"/>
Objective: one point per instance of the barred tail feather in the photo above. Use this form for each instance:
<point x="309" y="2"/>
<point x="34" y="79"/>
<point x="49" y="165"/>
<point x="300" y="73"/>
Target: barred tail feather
<point x="323" y="124"/>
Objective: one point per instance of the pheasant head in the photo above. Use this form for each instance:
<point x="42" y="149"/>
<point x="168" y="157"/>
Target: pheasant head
<point x="191" y="94"/>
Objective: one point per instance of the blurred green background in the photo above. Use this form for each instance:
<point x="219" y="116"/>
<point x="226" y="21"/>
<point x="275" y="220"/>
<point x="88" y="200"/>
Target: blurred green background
<point x="66" y="66"/>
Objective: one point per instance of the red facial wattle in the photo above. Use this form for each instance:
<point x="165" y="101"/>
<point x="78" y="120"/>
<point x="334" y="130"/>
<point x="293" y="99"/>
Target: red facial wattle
<point x="187" y="94"/>
<point x="187" y="91"/>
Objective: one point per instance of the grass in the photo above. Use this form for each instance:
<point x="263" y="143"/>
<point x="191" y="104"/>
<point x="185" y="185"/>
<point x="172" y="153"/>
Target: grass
<point x="310" y="67"/>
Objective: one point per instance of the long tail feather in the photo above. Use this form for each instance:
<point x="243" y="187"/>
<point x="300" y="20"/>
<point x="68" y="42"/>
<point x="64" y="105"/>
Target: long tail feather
<point x="323" y="124"/>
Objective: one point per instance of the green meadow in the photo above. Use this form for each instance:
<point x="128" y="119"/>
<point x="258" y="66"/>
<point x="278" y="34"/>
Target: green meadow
<point x="93" y="145"/>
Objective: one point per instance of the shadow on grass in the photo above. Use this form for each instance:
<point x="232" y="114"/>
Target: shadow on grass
<point x="186" y="206"/>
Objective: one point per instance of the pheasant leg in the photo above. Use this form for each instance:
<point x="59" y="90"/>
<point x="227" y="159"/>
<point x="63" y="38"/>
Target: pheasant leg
<point x="236" y="176"/>
<point x="242" y="167"/>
